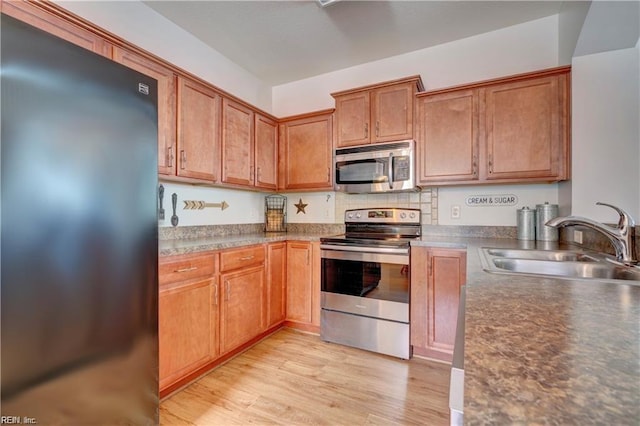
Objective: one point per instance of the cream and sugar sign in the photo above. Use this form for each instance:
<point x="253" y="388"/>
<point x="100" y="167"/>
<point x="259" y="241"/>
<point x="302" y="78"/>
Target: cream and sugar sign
<point x="493" y="200"/>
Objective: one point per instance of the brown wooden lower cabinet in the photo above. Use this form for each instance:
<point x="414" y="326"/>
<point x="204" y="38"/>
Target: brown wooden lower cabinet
<point x="303" y="284"/>
<point x="436" y="277"/>
<point x="276" y="283"/>
<point x="187" y="316"/>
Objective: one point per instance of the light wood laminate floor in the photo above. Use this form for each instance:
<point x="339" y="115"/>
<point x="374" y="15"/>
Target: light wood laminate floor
<point x="294" y="378"/>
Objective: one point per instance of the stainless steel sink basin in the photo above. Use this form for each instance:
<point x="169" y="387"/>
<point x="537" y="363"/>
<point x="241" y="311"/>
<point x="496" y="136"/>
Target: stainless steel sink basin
<point x="557" y="255"/>
<point x="558" y="263"/>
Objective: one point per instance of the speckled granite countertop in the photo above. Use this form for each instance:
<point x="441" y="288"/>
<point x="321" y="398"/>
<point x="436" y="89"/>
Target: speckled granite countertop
<point x="538" y="351"/>
<point x="547" y="351"/>
<point x="194" y="245"/>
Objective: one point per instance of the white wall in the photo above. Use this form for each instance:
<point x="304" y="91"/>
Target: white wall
<point x="244" y="206"/>
<point x="520" y="48"/>
<point x="606" y="134"/>
<point x="144" y="27"/>
<point x="528" y="195"/>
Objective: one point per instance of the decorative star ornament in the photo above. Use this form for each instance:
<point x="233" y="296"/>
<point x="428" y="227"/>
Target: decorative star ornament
<point x="300" y="206"/>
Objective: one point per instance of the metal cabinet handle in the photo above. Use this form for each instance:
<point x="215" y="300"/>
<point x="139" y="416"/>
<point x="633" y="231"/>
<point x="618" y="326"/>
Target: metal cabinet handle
<point x="366" y="130"/>
<point x="193" y="268"/>
<point x="490" y="163"/>
<point x="247" y="257"/>
<point x="183" y="159"/>
<point x="377" y="129"/>
<point x="258" y="173"/>
<point x="170" y="156"/>
<point x="475" y="166"/>
<point x="215" y="295"/>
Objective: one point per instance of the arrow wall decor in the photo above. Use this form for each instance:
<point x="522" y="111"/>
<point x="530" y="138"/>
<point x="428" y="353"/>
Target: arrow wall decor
<point x="199" y="205"/>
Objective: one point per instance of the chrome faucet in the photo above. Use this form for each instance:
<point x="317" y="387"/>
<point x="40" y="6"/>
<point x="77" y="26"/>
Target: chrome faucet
<point x="622" y="236"/>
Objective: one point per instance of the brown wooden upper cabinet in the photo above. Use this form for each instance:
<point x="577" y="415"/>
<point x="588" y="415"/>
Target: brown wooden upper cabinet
<point x="166" y="104"/>
<point x="249" y="147"/>
<point x="376" y="113"/>
<point x="198" y="149"/>
<point x="237" y="143"/>
<point x="266" y="152"/>
<point x="508" y="130"/>
<point x="306" y="151"/>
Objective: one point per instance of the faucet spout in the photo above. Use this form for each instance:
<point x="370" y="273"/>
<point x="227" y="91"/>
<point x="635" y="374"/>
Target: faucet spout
<point x="621" y="236"/>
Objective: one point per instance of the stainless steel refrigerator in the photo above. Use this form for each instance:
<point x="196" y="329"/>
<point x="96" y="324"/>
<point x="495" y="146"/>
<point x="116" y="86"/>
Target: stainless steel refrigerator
<point x="78" y="214"/>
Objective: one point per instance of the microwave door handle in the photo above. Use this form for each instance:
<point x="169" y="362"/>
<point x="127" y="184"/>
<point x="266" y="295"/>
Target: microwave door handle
<point x="390" y="170"/>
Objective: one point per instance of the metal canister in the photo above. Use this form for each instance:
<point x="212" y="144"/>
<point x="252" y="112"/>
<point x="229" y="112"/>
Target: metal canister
<point x="526" y="224"/>
<point x="544" y="213"/>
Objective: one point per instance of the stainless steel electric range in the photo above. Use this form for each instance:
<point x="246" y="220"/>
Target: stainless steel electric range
<point x="366" y="280"/>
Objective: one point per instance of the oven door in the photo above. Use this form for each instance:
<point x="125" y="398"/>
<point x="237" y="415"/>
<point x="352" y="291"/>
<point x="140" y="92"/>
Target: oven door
<point x="366" y="283"/>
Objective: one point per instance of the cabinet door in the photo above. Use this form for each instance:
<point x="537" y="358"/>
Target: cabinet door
<point x="436" y="278"/>
<point x="448" y="137"/>
<point x="266" y="150"/>
<point x="353" y="119"/>
<point x="198" y="130"/>
<point x="187" y="328"/>
<point x="242" y="315"/>
<point x="523" y="129"/>
<point x="34" y="14"/>
<point x="302" y="301"/>
<point x="307" y="153"/>
<point x="392" y="113"/>
<point x="166" y="104"/>
<point x="237" y="143"/>
<point x="276" y="283"/>
<point x="447" y="273"/>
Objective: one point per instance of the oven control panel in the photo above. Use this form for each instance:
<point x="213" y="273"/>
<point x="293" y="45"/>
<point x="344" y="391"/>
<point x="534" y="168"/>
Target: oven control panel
<point x="383" y="215"/>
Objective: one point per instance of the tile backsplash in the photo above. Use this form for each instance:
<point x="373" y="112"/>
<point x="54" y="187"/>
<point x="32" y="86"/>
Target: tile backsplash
<point x="425" y="200"/>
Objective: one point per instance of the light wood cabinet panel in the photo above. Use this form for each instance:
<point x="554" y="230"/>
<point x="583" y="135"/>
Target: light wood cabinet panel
<point x="166" y="104"/>
<point x="436" y="278"/>
<point x="237" y="143"/>
<point x="187" y="323"/>
<point x="198" y="131"/>
<point x="34" y="14"/>
<point x="276" y="283"/>
<point x="303" y="282"/>
<point x="392" y="112"/>
<point x="306" y="152"/>
<point x="241" y="257"/>
<point x="511" y="130"/>
<point x="266" y="152"/>
<point x="523" y="125"/>
<point x="353" y="119"/>
<point x="242" y="315"/>
<point x="377" y="113"/>
<point x="186" y="267"/>
<point x="448" y="137"/>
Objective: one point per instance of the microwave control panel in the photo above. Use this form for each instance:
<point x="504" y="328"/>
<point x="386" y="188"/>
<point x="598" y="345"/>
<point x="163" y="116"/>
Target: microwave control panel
<point x="401" y="168"/>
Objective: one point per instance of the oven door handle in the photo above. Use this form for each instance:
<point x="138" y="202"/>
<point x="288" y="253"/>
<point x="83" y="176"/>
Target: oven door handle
<point x="365" y="256"/>
<point x="361" y="249"/>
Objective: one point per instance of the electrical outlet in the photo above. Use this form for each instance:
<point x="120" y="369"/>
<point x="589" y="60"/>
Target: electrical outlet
<point x="455" y="212"/>
<point x="577" y="237"/>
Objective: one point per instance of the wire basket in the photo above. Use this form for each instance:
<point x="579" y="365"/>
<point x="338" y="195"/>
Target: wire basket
<point x="275" y="213"/>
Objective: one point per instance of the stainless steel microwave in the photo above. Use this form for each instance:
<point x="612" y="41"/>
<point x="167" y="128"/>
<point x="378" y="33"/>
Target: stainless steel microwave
<point x="380" y="167"/>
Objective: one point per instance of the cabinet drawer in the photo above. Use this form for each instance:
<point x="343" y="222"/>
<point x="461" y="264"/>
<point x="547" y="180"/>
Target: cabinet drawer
<point x="240" y="258"/>
<point x="181" y="268"/>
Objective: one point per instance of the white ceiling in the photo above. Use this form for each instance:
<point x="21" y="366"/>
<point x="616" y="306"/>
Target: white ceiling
<point x="283" y="41"/>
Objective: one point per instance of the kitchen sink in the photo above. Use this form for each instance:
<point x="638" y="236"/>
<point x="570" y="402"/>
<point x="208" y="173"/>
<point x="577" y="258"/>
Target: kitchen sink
<point x="557" y="255"/>
<point x="558" y="263"/>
